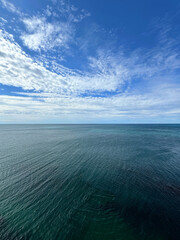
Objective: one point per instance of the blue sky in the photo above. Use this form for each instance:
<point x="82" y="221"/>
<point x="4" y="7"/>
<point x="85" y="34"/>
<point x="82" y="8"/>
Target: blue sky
<point x="89" y="61"/>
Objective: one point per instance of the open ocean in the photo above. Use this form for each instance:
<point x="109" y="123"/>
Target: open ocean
<point x="90" y="182"/>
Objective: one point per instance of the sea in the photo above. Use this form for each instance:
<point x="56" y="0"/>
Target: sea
<point x="90" y="182"/>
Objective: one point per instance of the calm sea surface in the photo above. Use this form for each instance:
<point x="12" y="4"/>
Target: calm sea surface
<point x="90" y="182"/>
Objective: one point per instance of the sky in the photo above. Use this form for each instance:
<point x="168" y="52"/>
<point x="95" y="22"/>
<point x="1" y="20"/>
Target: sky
<point x="89" y="61"/>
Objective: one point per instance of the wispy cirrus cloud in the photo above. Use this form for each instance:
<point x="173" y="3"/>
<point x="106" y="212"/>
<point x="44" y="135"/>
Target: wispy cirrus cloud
<point x="18" y="69"/>
<point x="55" y="107"/>
<point x="69" y="11"/>
<point x="40" y="33"/>
<point x="43" y="35"/>
<point x="88" y="93"/>
<point x="10" y="7"/>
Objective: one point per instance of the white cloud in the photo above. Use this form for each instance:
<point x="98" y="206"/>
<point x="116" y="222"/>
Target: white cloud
<point x="17" y="69"/>
<point x="3" y="20"/>
<point x="10" y="7"/>
<point x="44" y="106"/>
<point x="59" y="95"/>
<point x="43" y="35"/>
<point x="70" y="12"/>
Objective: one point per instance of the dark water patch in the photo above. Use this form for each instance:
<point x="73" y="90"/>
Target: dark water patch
<point x="147" y="219"/>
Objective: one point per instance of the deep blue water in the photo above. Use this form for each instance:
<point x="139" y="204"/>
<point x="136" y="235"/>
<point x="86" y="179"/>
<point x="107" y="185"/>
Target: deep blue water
<point x="98" y="182"/>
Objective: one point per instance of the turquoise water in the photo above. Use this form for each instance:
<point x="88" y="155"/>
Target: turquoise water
<point x="98" y="182"/>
